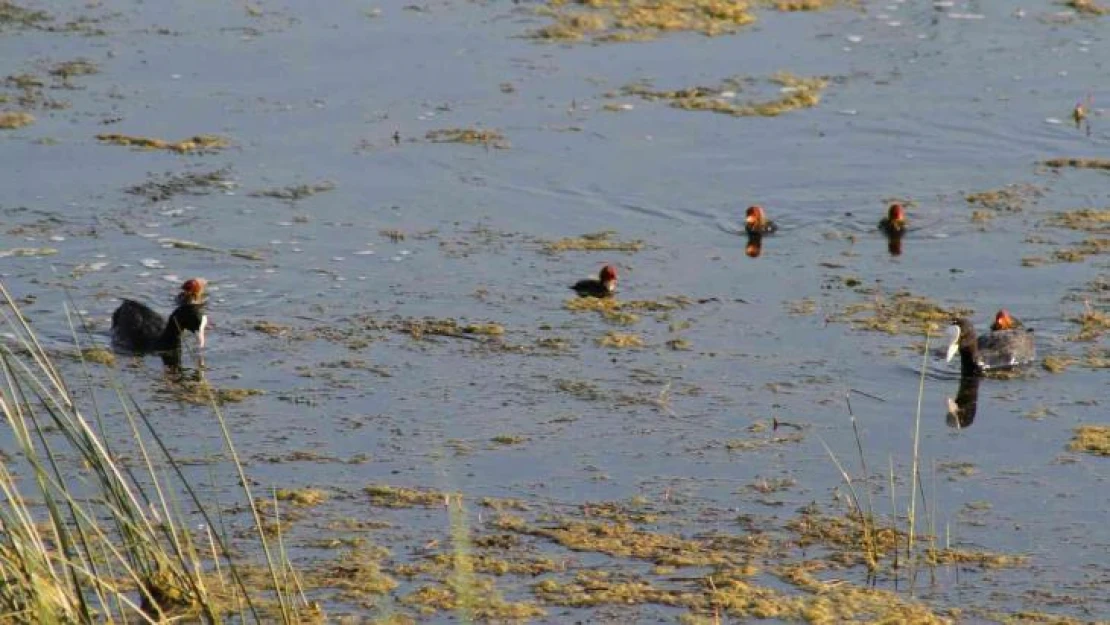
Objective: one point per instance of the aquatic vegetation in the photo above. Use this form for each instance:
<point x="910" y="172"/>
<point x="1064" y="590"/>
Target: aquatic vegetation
<point x="509" y="439"/>
<point x="357" y="574"/>
<point x="1079" y="163"/>
<point x="170" y="185"/>
<point x="1092" y="324"/>
<point x="99" y="355"/>
<point x="386" y="496"/>
<point x="305" y="497"/>
<point x="594" y="242"/>
<point x="1011" y="198"/>
<point x="621" y="340"/>
<point x="1092" y="439"/>
<point x="1088" y="7"/>
<point x="796" y="93"/>
<point x="804" y="306"/>
<point x="1089" y="220"/>
<point x="79" y="67"/>
<point x="899" y="313"/>
<point x="805" y="5"/>
<point x="271" y="328"/>
<point x="1082" y="250"/>
<point x="10" y="120"/>
<point x="640" y="20"/>
<point x="470" y="136"/>
<point x="1057" y="363"/>
<point x="295" y="192"/>
<point x="481" y="601"/>
<point x="13" y="14"/>
<point x="22" y="252"/>
<point x="198" y="144"/>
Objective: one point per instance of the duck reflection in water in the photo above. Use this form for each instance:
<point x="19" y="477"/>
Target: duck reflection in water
<point x="894" y="244"/>
<point x="755" y="245"/>
<point x="961" y="410"/>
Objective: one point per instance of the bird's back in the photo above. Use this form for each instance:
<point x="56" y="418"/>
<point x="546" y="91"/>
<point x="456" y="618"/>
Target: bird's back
<point x="1006" y="349"/>
<point x="136" y="327"/>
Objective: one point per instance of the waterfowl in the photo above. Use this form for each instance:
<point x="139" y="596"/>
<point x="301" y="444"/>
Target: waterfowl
<point x="894" y="224"/>
<point x="603" y="286"/>
<point x="192" y="292"/>
<point x="1002" y="349"/>
<point x="755" y="222"/>
<point x="1003" y="321"/>
<point x="137" y="328"/>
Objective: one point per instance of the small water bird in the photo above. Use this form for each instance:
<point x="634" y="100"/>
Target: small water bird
<point x="894" y="224"/>
<point x="756" y="222"/>
<point x="603" y="286"/>
<point x="137" y="328"/>
<point x="1001" y="349"/>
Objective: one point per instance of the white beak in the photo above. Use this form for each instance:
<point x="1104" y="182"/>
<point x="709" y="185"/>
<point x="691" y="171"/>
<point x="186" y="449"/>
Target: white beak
<point x="954" y="344"/>
<point x="200" y="332"/>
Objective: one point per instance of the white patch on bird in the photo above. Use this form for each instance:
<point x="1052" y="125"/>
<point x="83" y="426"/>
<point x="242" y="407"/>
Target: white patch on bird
<point x="200" y="331"/>
<point x="954" y="344"/>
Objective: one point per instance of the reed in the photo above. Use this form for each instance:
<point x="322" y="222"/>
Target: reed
<point x="85" y="538"/>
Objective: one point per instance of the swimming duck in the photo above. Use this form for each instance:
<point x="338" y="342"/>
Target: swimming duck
<point x="894" y="224"/>
<point x="192" y="292"/>
<point x="1001" y="349"/>
<point x="755" y="222"/>
<point x="137" y="328"/>
<point x="603" y="286"/>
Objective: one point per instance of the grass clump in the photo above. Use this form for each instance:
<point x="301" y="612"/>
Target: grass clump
<point x="469" y="136"/>
<point x="11" y="120"/>
<point x="99" y="355"/>
<point x="197" y="144"/>
<point x="593" y="242"/>
<point x="620" y="340"/>
<point x="1092" y="439"/>
<point x="304" y="497"/>
<point x="796" y="93"/>
<point x="640" y="20"/>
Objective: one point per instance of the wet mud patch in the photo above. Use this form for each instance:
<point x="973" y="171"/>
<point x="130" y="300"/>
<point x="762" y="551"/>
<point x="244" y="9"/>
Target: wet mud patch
<point x="603" y="241"/>
<point x="469" y="136"/>
<point x="640" y="20"/>
<point x="169" y="185"/>
<point x="198" y="144"/>
<point x="795" y="92"/>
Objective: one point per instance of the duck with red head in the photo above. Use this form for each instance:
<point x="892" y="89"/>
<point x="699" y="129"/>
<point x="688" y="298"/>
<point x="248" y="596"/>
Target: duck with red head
<point x="603" y="286"/>
<point x="756" y="222"/>
<point x="1000" y="350"/>
<point x="192" y="292"/>
<point x="138" y="328"/>
<point x="894" y="224"/>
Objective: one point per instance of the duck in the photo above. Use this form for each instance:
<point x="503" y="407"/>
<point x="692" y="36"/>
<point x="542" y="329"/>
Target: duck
<point x="138" y="328"/>
<point x="1001" y="349"/>
<point x="894" y="224"/>
<point x="192" y="292"/>
<point x="755" y="222"/>
<point x="603" y="286"/>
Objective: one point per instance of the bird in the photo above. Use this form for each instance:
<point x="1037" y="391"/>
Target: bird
<point x="603" y="286"/>
<point x="894" y="224"/>
<point x="192" y="292"/>
<point x="137" y="328"/>
<point x="1001" y="349"/>
<point x="755" y="222"/>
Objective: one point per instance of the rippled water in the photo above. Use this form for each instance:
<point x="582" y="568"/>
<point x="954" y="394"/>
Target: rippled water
<point x="926" y="103"/>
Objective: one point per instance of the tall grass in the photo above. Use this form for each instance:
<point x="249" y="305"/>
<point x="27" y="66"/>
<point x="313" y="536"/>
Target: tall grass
<point x="86" y="538"/>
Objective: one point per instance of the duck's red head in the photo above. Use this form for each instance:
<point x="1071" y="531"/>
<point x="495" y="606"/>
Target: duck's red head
<point x="896" y="212"/>
<point x="755" y="216"/>
<point x="192" y="291"/>
<point x="1003" y="321"/>
<point x="608" y="274"/>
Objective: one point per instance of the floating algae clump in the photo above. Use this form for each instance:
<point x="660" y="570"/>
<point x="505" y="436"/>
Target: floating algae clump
<point x="1011" y="198"/>
<point x="470" y="136"/>
<point x="1082" y="250"/>
<point x="199" y="143"/>
<point x="1088" y="7"/>
<point x="1089" y="220"/>
<point x="1093" y="439"/>
<point x="900" y="313"/>
<point x="477" y="599"/>
<point x="306" y="497"/>
<point x="99" y="355"/>
<point x="640" y="20"/>
<point x="1092" y="324"/>
<point x="593" y="242"/>
<point x="796" y="92"/>
<point x="620" y="339"/>
<point x="397" y="497"/>
<point x="1079" y="163"/>
<point x="11" y="120"/>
